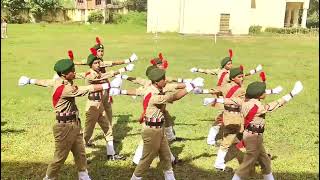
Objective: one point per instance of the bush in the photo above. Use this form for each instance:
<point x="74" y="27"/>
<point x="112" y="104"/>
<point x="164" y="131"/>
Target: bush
<point x="292" y="30"/>
<point x="313" y="21"/>
<point x="138" y="18"/>
<point x="255" y="29"/>
<point x="18" y="19"/>
<point x="95" y="17"/>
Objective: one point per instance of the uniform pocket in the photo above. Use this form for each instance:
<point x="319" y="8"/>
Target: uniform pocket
<point x="61" y="131"/>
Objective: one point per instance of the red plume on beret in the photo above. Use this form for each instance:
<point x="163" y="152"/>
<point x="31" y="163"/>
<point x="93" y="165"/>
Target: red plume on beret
<point x="93" y="51"/>
<point x="263" y="76"/>
<point x="153" y="61"/>
<point x="98" y="40"/>
<point x="165" y="64"/>
<point x="160" y="56"/>
<point x="230" y="53"/>
<point x="70" y="54"/>
<point x="241" y="67"/>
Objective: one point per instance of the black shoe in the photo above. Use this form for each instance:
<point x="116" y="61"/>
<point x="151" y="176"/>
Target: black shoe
<point x="178" y="139"/>
<point x="226" y="169"/>
<point x="90" y="145"/>
<point x="176" y="161"/>
<point x="115" y="157"/>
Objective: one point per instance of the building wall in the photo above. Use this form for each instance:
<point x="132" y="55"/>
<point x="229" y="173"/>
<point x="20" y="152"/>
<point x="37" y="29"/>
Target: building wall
<point x="163" y="16"/>
<point x="269" y="13"/>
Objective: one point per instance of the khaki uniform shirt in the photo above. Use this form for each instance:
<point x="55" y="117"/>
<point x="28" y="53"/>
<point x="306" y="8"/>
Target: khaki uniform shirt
<point x="93" y="77"/>
<point x="66" y="100"/>
<point x="259" y="118"/>
<point x="157" y="102"/>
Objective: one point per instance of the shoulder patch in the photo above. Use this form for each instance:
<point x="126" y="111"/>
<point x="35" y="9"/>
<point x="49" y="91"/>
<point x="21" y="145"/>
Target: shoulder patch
<point x="57" y="94"/>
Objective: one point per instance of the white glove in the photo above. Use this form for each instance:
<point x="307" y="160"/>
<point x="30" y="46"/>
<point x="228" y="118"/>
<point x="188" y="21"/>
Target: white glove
<point x="194" y="69"/>
<point x="129" y="67"/>
<point x="105" y="86"/>
<point x="189" y="86"/>
<point x="55" y="76"/>
<point x="181" y="80"/>
<point x="116" y="83"/>
<point x="258" y="68"/>
<point x="186" y="80"/>
<point x="197" y="90"/>
<point x="123" y="91"/>
<point x="132" y="58"/>
<point x="114" y="91"/>
<point x="24" y="80"/>
<point x="296" y="90"/>
<point x="198" y="82"/>
<point x="276" y="90"/>
<point x="122" y="76"/>
<point x="207" y="101"/>
<point x="205" y="91"/>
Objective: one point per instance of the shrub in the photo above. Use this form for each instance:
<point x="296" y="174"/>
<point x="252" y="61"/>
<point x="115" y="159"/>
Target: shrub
<point x="292" y="30"/>
<point x="255" y="29"/>
<point x="138" y="18"/>
<point x="95" y="16"/>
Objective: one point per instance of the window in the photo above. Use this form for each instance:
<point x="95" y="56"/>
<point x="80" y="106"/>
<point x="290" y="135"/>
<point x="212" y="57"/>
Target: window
<point x="253" y="4"/>
<point x="98" y="2"/>
<point x="108" y="2"/>
<point x="80" y="1"/>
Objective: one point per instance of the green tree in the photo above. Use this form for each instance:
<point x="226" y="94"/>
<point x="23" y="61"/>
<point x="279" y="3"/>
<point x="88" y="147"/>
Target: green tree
<point x="137" y="5"/>
<point x="12" y="10"/>
<point x="40" y="7"/>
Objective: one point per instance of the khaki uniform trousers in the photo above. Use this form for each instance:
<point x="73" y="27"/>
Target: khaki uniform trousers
<point x="254" y="152"/>
<point x="68" y="137"/>
<point x="101" y="115"/>
<point x="233" y="124"/>
<point x="154" y="144"/>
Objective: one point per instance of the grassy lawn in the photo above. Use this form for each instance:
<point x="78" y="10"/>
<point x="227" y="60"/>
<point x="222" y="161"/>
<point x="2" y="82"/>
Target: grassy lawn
<point x="27" y="144"/>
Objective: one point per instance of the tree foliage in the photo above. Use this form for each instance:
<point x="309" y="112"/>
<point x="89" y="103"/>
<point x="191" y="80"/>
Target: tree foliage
<point x="137" y="5"/>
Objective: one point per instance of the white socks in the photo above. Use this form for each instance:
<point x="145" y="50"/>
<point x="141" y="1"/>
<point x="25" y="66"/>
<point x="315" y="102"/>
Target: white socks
<point x="110" y="148"/>
<point x="168" y="175"/>
<point x="268" y="177"/>
<point x="138" y="154"/>
<point x="214" y="130"/>
<point x="219" y="164"/>
<point x="83" y="175"/>
<point x="169" y="133"/>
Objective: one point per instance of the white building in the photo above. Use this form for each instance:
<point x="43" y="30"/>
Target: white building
<point x="224" y="16"/>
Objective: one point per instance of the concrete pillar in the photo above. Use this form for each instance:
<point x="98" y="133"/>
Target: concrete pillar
<point x="296" y="18"/>
<point x="304" y="18"/>
<point x="288" y="18"/>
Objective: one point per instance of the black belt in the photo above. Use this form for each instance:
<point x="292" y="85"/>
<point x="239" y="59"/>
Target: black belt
<point x="66" y="118"/>
<point x="95" y="96"/>
<point x="153" y="124"/>
<point x="235" y="109"/>
<point x="255" y="129"/>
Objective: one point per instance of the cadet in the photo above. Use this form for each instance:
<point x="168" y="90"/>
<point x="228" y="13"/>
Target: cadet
<point x="223" y="74"/>
<point x="153" y="135"/>
<point x="232" y="119"/>
<point x="254" y="113"/>
<point x="100" y="52"/>
<point x="98" y="108"/>
<point x="67" y="131"/>
<point x="172" y="87"/>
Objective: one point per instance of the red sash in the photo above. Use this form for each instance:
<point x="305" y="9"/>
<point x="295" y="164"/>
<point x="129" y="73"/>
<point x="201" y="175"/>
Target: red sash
<point x="253" y="111"/>
<point x="145" y="105"/>
<point x="232" y="91"/>
<point x="57" y="94"/>
<point x="221" y="78"/>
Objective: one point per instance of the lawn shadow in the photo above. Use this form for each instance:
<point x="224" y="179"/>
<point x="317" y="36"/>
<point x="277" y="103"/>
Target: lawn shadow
<point x="102" y="170"/>
<point x="17" y="131"/>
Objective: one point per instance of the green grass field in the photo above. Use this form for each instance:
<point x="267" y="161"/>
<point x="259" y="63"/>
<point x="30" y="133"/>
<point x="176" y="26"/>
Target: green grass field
<point x="27" y="144"/>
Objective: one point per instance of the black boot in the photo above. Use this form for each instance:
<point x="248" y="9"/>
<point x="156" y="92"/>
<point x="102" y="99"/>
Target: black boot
<point x="115" y="157"/>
